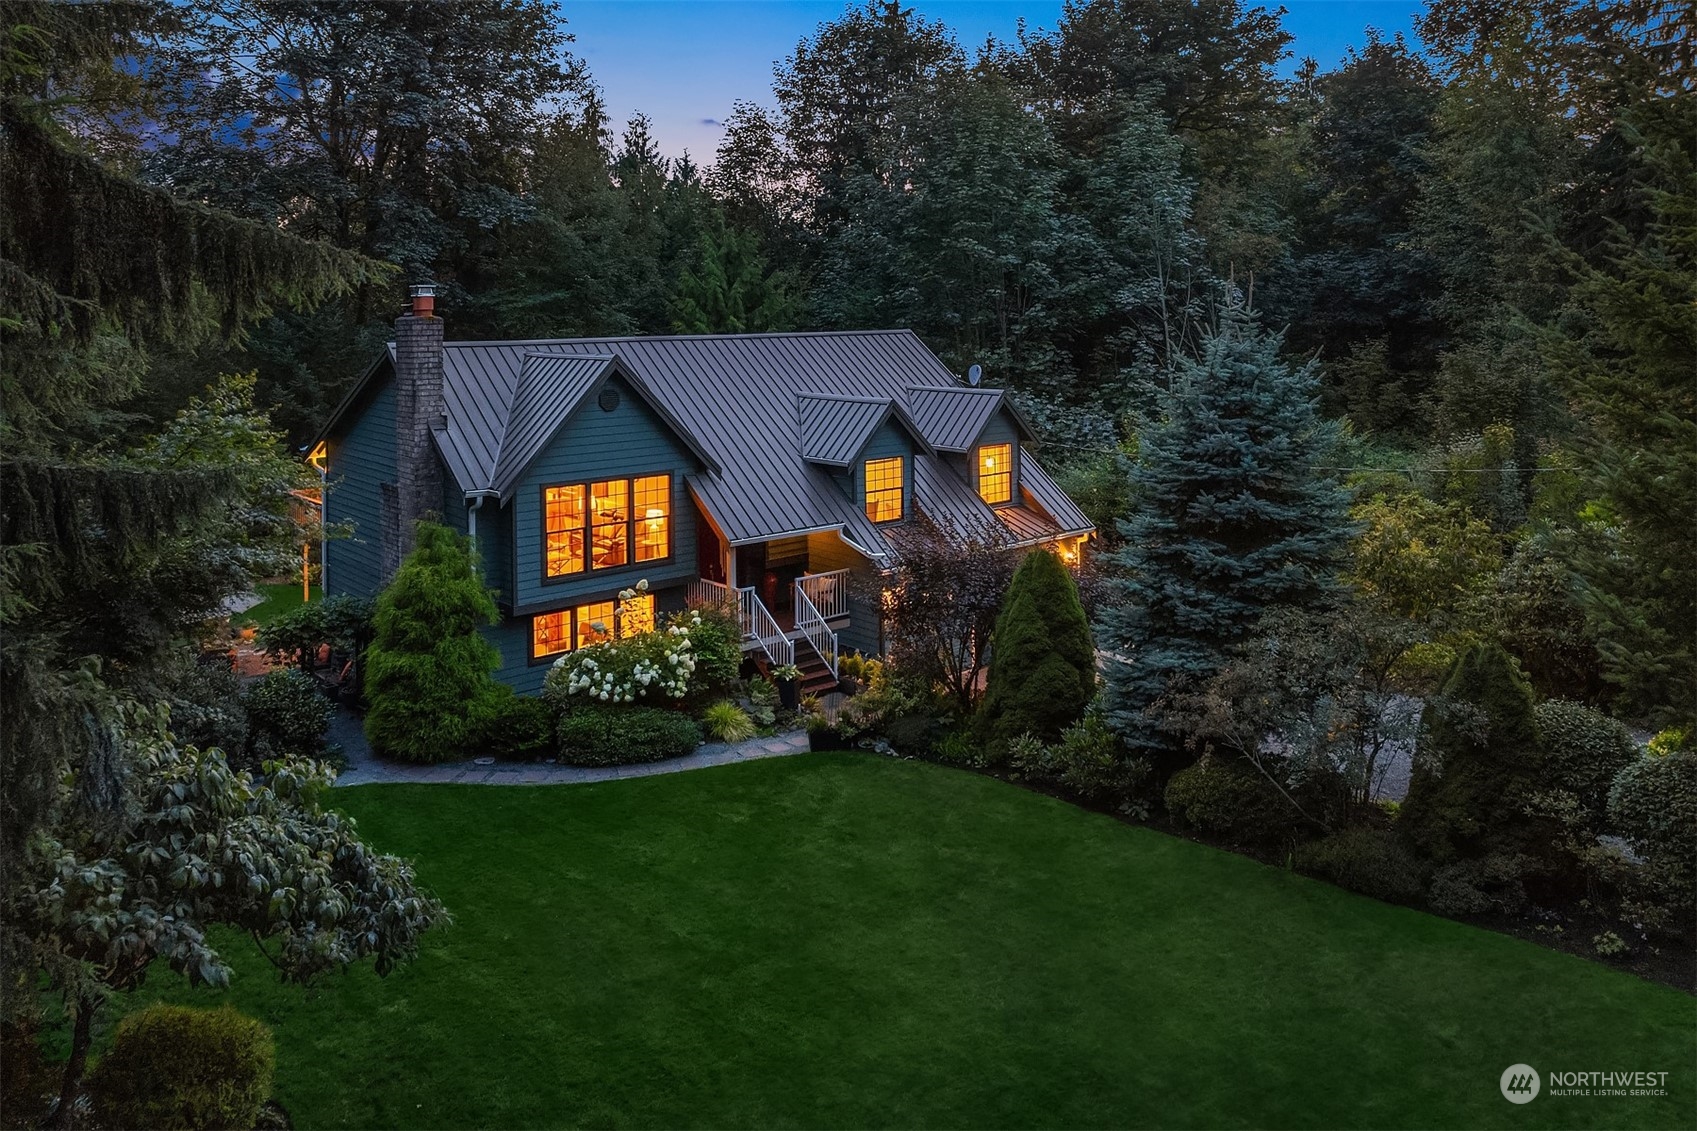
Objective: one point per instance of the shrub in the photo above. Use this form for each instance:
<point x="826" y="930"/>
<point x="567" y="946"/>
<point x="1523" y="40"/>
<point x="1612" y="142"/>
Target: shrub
<point x="1476" y="764"/>
<point x="174" y="1067"/>
<point x="516" y="728"/>
<point x="1042" y="663"/>
<point x="649" y="665"/>
<point x="1653" y="804"/>
<point x="1493" y="882"/>
<point x="724" y="721"/>
<point x="428" y="660"/>
<point x="1368" y="860"/>
<point x="596" y="735"/>
<point x="1230" y="798"/>
<point x="342" y="621"/>
<point x="715" y="635"/>
<point x="206" y="703"/>
<point x="287" y="715"/>
<point x="1670" y="740"/>
<point x="913" y="733"/>
<point x="1583" y="751"/>
<point x="959" y="748"/>
<point x="1091" y="762"/>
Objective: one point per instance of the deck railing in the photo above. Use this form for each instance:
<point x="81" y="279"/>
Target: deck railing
<point x="828" y="593"/>
<point x="758" y="622"/>
<point x="811" y="623"/>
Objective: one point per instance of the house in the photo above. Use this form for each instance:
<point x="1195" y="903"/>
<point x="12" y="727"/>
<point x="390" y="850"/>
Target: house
<point x="763" y="471"/>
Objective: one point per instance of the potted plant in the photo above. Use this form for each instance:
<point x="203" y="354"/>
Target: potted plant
<point x="788" y="679"/>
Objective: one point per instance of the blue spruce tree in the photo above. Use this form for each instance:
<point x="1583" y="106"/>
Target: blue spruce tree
<point x="1232" y="515"/>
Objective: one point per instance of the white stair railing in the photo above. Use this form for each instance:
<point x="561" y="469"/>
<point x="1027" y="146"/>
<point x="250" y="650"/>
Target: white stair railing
<point x="711" y="594"/>
<point x="758" y="622"/>
<point x="827" y="592"/>
<point x="811" y="623"/>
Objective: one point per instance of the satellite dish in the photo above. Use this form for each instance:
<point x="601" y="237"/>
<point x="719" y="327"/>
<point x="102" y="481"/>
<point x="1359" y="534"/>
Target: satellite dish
<point x="974" y="375"/>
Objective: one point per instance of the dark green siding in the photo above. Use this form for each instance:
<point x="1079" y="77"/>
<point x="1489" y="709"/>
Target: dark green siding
<point x="888" y="441"/>
<point x="360" y="461"/>
<point x="629" y="441"/>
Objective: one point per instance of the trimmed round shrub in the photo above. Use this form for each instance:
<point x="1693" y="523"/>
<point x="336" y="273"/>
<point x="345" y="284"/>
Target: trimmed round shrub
<point x="174" y="1067"/>
<point x="1583" y="751"/>
<point x="1371" y="861"/>
<point x="617" y="736"/>
<point x="1042" y="663"/>
<point x="287" y="715"/>
<point x="1653" y="804"/>
<point x="1230" y="798"/>
<point x="512" y="727"/>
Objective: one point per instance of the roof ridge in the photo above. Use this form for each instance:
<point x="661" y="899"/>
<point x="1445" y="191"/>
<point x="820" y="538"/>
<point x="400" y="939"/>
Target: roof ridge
<point x="851" y="398"/>
<point x="473" y="342"/>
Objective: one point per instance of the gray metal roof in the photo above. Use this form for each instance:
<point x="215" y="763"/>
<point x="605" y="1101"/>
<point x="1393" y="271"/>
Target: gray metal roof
<point x="549" y="390"/>
<point x="952" y="418"/>
<point x="835" y="429"/>
<point x="741" y="400"/>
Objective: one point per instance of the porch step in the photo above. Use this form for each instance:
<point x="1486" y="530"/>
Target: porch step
<point x="816" y="678"/>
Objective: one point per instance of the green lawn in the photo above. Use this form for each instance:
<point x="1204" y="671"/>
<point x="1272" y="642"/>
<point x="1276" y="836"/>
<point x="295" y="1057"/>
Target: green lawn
<point x="280" y="597"/>
<point x="843" y="940"/>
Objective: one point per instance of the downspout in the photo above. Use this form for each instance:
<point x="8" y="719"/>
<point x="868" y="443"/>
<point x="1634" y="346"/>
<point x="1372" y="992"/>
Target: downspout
<point x="474" y="503"/>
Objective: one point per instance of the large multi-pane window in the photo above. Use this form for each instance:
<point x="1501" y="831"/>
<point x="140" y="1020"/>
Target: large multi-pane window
<point x="995" y="473"/>
<point x="884" y="489"/>
<point x="653" y="517"/>
<point x="606" y="525"/>
<point x="554" y="633"/>
<point x="563" y="519"/>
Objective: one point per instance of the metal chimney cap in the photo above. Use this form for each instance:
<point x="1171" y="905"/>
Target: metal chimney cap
<point x="423" y="290"/>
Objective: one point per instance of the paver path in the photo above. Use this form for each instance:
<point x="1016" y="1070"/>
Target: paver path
<point x="365" y="768"/>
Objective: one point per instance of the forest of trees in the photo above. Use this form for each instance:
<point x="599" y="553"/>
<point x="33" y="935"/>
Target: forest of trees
<point x="1483" y="243"/>
<point x="1366" y="375"/>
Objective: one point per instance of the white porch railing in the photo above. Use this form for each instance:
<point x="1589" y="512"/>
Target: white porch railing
<point x="758" y="622"/>
<point x="828" y="593"/>
<point x="811" y="623"/>
<point x="751" y="612"/>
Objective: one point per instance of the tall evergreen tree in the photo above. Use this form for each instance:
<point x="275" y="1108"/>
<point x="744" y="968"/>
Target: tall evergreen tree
<point x="1042" y="663"/>
<point x="1232" y="516"/>
<point x="729" y="289"/>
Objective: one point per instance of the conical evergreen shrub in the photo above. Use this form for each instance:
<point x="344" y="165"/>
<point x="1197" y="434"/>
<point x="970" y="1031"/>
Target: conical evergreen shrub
<point x="1478" y="759"/>
<point x="1042" y="661"/>
<point x="428" y="667"/>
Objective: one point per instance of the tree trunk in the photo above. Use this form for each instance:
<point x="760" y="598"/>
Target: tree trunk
<point x="82" y="1035"/>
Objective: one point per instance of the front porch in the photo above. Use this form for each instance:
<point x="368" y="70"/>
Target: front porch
<point x="803" y="629"/>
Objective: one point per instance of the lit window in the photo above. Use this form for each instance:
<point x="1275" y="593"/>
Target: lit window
<point x="636" y="615"/>
<point x="551" y="633"/>
<point x="653" y="517"/>
<point x="594" y="623"/>
<point x="995" y="473"/>
<point x="884" y="489"/>
<point x="562" y="518"/>
<point x="609" y="505"/>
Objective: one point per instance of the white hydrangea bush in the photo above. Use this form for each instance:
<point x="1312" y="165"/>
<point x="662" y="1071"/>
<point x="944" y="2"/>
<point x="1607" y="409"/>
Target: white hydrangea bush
<point x="647" y="665"/>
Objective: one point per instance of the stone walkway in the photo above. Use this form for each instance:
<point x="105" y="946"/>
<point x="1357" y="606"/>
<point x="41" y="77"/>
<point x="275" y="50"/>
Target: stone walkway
<point x="365" y="768"/>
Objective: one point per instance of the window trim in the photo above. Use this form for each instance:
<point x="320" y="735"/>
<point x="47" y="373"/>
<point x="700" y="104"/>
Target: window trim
<point x="590" y="569"/>
<point x="901" y="463"/>
<point x="571" y="612"/>
<point x="978" y="472"/>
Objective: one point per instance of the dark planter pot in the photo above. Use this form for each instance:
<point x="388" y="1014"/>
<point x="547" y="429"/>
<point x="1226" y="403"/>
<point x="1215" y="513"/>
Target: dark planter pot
<point x="830" y="739"/>
<point x="849" y="686"/>
<point x="789" y="693"/>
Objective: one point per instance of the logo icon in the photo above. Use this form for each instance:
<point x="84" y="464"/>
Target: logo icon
<point x="1519" y="1083"/>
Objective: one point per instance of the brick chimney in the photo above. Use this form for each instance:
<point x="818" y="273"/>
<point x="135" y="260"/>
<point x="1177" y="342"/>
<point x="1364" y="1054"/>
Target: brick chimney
<point x="419" y="406"/>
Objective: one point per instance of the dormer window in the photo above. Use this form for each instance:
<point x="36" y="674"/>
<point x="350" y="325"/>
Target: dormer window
<point x="884" y="489"/>
<point x="995" y="473"/>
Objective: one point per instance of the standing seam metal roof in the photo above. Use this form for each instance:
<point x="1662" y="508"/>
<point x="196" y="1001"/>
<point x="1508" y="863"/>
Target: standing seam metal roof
<point x="743" y="401"/>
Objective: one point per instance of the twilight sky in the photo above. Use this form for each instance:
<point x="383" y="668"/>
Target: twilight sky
<point x="683" y="62"/>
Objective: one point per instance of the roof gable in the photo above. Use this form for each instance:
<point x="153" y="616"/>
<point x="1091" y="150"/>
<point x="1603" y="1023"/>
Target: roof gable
<point x="952" y="417"/>
<point x="835" y="429"/>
